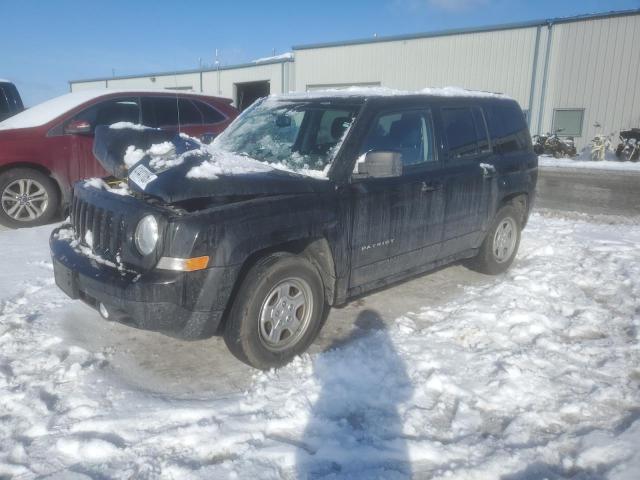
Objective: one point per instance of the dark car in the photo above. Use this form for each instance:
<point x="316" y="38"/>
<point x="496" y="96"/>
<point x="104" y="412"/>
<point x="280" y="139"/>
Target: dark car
<point x="304" y="202"/>
<point x="47" y="148"/>
<point x="10" y="101"/>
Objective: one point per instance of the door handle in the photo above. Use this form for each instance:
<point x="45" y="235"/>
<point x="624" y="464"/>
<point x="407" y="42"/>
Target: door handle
<point x="488" y="170"/>
<point x="430" y="187"/>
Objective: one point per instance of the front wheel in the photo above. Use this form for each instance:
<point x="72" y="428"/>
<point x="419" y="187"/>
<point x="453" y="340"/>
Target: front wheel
<point x="277" y="312"/>
<point x="27" y="198"/>
<point x="500" y="246"/>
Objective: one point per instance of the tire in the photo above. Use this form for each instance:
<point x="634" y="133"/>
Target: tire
<point x="488" y="261"/>
<point x="27" y="198"/>
<point x="251" y="334"/>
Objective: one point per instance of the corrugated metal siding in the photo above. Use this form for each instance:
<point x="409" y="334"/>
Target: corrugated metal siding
<point x="180" y="81"/>
<point x="595" y="65"/>
<point x="497" y="61"/>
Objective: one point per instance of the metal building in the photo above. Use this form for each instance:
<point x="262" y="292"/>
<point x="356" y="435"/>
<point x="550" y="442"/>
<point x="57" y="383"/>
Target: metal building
<point x="568" y="74"/>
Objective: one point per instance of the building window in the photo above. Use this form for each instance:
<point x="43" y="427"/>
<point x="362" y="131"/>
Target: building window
<point x="567" y="122"/>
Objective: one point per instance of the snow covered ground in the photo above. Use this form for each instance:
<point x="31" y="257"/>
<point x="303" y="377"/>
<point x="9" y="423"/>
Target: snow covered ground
<point x="533" y="374"/>
<point x="545" y="161"/>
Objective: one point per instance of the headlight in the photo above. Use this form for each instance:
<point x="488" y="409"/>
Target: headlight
<point x="146" y="236"/>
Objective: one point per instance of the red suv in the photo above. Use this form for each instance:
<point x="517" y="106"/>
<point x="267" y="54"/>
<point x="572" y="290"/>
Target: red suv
<point x="45" y="149"/>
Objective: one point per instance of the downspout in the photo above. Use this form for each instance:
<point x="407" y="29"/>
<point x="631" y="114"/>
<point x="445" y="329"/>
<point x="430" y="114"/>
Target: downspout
<point x="547" y="54"/>
<point x="219" y="92"/>
<point x="534" y="71"/>
<point x="282" y="78"/>
<point x="200" y="81"/>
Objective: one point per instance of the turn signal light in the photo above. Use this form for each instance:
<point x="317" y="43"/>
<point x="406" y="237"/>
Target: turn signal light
<point x="183" y="264"/>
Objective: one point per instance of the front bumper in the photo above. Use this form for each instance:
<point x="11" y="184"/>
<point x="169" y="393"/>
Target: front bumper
<point x="175" y="303"/>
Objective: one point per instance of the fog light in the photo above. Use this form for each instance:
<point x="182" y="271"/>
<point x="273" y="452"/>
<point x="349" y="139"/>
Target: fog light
<point x="103" y="310"/>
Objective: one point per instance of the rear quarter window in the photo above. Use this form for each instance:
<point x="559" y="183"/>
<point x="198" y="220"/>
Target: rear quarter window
<point x="209" y="114"/>
<point x="507" y="127"/>
<point x="4" y="104"/>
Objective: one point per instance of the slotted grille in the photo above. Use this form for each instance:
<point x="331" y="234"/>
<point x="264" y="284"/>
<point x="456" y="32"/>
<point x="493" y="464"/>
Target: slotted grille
<point x="107" y="228"/>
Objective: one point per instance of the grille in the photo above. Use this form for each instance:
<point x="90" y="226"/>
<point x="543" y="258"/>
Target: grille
<point x="107" y="228"/>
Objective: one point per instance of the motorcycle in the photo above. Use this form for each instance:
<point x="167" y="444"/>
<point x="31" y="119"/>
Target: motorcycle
<point x="552" y="144"/>
<point x="599" y="146"/>
<point x="629" y="147"/>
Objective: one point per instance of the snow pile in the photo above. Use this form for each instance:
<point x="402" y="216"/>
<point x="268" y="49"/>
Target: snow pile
<point x="129" y="126"/>
<point x="545" y="161"/>
<point x="534" y="374"/>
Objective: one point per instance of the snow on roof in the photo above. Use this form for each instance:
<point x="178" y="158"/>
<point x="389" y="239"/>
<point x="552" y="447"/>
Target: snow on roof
<point x="4" y="80"/>
<point x="282" y="56"/>
<point x="387" y="92"/>
<point x="51" y="109"/>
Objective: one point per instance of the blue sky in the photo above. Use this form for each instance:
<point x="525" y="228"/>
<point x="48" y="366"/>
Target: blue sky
<point x="45" y="44"/>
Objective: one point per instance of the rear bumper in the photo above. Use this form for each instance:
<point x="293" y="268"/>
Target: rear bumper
<point x="175" y="303"/>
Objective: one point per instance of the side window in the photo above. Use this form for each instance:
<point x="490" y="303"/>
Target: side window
<point x="4" y="104"/>
<point x="209" y="114"/>
<point x="110" y="112"/>
<point x="508" y="128"/>
<point x="160" y="111"/>
<point x="459" y="128"/>
<point x="410" y="133"/>
<point x="10" y="99"/>
<point x="189" y="114"/>
<point x="482" y="135"/>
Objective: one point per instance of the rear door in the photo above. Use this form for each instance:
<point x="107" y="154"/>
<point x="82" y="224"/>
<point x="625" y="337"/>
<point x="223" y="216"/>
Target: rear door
<point x="79" y="147"/>
<point x="470" y="178"/>
<point x="397" y="222"/>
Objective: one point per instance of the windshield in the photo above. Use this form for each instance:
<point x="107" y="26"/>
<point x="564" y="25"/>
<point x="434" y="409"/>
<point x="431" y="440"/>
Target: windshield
<point x="296" y="136"/>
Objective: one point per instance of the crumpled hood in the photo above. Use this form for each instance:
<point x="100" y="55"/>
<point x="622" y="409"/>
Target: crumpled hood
<point x="176" y="168"/>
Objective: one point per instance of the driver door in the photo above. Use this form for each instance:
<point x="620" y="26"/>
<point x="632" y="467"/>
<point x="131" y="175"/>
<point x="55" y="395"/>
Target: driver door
<point x="397" y="221"/>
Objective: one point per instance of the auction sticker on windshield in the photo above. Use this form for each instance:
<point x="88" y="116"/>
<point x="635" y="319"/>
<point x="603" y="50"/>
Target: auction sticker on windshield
<point x="142" y="176"/>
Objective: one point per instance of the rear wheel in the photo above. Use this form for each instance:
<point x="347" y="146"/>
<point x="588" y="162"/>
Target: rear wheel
<point x="277" y="312"/>
<point x="27" y="198"/>
<point x="500" y="246"/>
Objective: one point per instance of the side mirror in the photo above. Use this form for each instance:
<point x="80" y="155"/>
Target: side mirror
<point x="380" y="165"/>
<point x="78" y="127"/>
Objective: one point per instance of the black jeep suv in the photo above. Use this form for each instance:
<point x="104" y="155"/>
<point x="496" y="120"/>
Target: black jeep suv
<point x="303" y="203"/>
